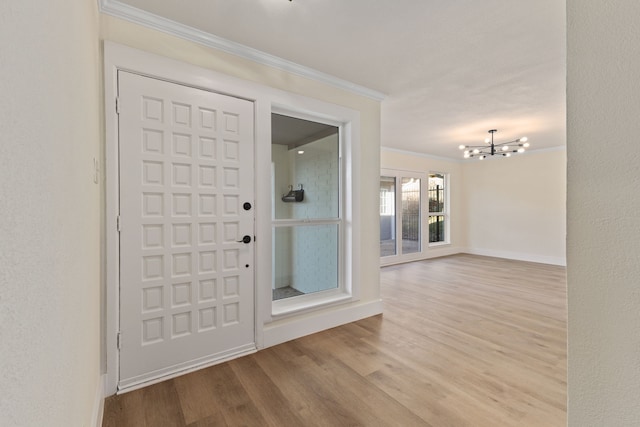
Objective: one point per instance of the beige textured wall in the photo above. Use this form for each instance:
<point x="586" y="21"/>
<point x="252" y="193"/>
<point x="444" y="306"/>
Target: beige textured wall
<point x="603" y="247"/>
<point x="516" y="207"/>
<point x="50" y="210"/>
<point x="512" y="208"/>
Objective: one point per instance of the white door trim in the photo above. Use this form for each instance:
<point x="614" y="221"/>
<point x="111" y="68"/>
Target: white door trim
<point x="424" y="245"/>
<point x="118" y="57"/>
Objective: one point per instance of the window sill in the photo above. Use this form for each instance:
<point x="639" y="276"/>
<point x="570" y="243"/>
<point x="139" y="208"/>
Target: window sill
<point x="303" y="303"/>
<point x="438" y="244"/>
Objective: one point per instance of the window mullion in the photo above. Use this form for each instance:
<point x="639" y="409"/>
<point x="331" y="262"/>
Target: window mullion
<point x="299" y="222"/>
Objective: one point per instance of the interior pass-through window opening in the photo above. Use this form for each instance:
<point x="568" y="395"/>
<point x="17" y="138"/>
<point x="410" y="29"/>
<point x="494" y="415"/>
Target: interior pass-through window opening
<point x="306" y="207"/>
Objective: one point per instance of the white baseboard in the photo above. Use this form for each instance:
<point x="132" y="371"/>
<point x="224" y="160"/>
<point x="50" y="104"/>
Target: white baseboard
<point x="291" y="329"/>
<point x="543" y="259"/>
<point x="435" y="251"/>
<point x="440" y="250"/>
<point x="183" y="369"/>
<point x="98" y="402"/>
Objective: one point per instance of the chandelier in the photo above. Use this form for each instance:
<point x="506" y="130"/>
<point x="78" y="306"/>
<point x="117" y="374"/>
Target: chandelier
<point x="503" y="149"/>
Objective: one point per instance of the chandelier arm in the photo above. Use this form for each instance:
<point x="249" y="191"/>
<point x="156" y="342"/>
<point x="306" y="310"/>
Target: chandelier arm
<point x="495" y="145"/>
<point x="507" y="143"/>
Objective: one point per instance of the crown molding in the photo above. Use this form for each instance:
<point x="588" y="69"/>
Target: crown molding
<point x="418" y="154"/>
<point x="138" y="16"/>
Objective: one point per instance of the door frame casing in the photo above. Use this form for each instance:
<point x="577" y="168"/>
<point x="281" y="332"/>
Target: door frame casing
<point x="414" y="256"/>
<point x="123" y="58"/>
<point x="119" y="57"/>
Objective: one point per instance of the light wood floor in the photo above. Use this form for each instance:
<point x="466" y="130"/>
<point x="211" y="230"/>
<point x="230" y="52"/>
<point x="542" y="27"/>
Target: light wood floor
<point x="464" y="341"/>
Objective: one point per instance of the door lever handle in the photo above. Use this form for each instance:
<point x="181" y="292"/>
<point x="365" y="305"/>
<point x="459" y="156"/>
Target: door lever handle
<point x="245" y="239"/>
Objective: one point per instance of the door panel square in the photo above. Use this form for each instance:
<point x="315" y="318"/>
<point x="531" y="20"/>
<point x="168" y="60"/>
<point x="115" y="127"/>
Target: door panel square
<point x="231" y="287"/>
<point x="152" y="141"/>
<point x="152" y="109"/>
<point x="180" y="294"/>
<point x="231" y="123"/>
<point x="207" y="290"/>
<point x="152" y="299"/>
<point x="207" y="262"/>
<point x="181" y="114"/>
<point x="231" y="151"/>
<point x="206" y="319"/>
<point x="181" y="174"/>
<point x="180" y="235"/>
<point x="207" y="204"/>
<point x="231" y="260"/>
<point x="152" y="267"/>
<point x="231" y="178"/>
<point x="152" y="204"/>
<point x="152" y="173"/>
<point x="181" y="264"/>
<point x="231" y="231"/>
<point x="152" y="236"/>
<point x="231" y="205"/>
<point x="207" y="148"/>
<point x="181" y="324"/>
<point x="181" y="145"/>
<point x="207" y="119"/>
<point x="207" y="176"/>
<point x="152" y="330"/>
<point x="231" y="314"/>
<point x="181" y="204"/>
<point x="207" y="233"/>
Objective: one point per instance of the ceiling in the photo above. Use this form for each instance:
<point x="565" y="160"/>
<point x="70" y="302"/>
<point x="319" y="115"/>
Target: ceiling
<point x="294" y="132"/>
<point x="450" y="70"/>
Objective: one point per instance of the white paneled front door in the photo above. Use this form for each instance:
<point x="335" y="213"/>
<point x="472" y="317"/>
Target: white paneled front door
<point x="186" y="195"/>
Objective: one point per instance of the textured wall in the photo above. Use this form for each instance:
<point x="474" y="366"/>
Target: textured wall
<point x="50" y="210"/>
<point x="516" y="207"/>
<point x="512" y="208"/>
<point x="603" y="246"/>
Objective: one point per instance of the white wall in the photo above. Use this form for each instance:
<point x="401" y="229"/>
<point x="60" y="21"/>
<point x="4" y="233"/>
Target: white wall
<point x="50" y="210"/>
<point x="603" y="247"/>
<point x="515" y="207"/>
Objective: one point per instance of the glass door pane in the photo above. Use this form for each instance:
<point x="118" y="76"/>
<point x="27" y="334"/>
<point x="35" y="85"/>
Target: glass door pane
<point x="410" y="215"/>
<point x="436" y="228"/>
<point x="387" y="216"/>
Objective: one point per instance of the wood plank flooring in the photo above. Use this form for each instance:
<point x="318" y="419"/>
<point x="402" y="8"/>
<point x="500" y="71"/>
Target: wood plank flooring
<point x="464" y="341"/>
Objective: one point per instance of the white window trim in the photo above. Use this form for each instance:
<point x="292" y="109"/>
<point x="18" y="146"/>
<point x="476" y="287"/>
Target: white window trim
<point x="389" y="206"/>
<point x="425" y="214"/>
<point x="348" y="143"/>
<point x="398" y="174"/>
<point x="445" y="212"/>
